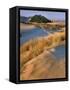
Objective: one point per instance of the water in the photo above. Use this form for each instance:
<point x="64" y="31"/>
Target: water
<point x="59" y="52"/>
<point x="30" y="34"/>
<point x="36" y="32"/>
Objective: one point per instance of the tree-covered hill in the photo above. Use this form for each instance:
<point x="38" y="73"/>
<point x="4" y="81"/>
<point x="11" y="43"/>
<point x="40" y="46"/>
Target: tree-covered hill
<point x="39" y="19"/>
<point x="35" y="18"/>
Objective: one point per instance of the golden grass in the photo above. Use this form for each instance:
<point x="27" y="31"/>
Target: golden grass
<point x="36" y="46"/>
<point x="36" y="61"/>
<point x="43" y="66"/>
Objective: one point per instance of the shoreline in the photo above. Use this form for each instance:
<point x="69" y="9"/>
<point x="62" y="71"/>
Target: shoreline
<point x="34" y="47"/>
<point x="50" y="26"/>
<point x="37" y="61"/>
<point x="26" y="26"/>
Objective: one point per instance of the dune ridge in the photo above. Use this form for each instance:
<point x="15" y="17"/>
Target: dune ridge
<point x="36" y="61"/>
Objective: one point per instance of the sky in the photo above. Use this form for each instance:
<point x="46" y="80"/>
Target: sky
<point x="48" y="14"/>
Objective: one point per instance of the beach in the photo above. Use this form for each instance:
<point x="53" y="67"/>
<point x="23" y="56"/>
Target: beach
<point x="26" y="26"/>
<point x="43" y="66"/>
<point x="37" y="60"/>
<point x="42" y="45"/>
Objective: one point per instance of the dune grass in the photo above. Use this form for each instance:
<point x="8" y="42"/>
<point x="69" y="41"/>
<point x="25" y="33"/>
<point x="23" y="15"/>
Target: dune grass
<point x="36" y="62"/>
<point x="36" y="46"/>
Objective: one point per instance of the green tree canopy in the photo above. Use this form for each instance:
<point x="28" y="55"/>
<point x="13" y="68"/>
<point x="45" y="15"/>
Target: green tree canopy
<point x="39" y="19"/>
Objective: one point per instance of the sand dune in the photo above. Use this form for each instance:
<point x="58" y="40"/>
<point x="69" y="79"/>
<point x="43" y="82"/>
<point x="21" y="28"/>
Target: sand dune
<point x="44" y="66"/>
<point x="37" y="61"/>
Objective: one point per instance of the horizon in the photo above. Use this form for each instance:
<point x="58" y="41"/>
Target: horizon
<point x="48" y="14"/>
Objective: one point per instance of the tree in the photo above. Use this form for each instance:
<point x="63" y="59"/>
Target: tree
<point x="39" y="19"/>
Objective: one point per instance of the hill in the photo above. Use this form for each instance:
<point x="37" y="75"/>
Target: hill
<point x="35" y="18"/>
<point x="24" y="19"/>
<point x="39" y="19"/>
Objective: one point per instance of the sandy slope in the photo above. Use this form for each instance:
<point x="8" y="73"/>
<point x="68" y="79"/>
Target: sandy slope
<point x="44" y="66"/>
<point x="37" y="61"/>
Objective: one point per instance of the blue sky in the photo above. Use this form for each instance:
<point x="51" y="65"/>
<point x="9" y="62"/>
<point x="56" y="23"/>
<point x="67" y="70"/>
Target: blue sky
<point x="48" y="14"/>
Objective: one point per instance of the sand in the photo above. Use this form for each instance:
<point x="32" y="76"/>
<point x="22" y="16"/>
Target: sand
<point x="37" y="61"/>
<point x="44" y="66"/>
<point x="26" y="26"/>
